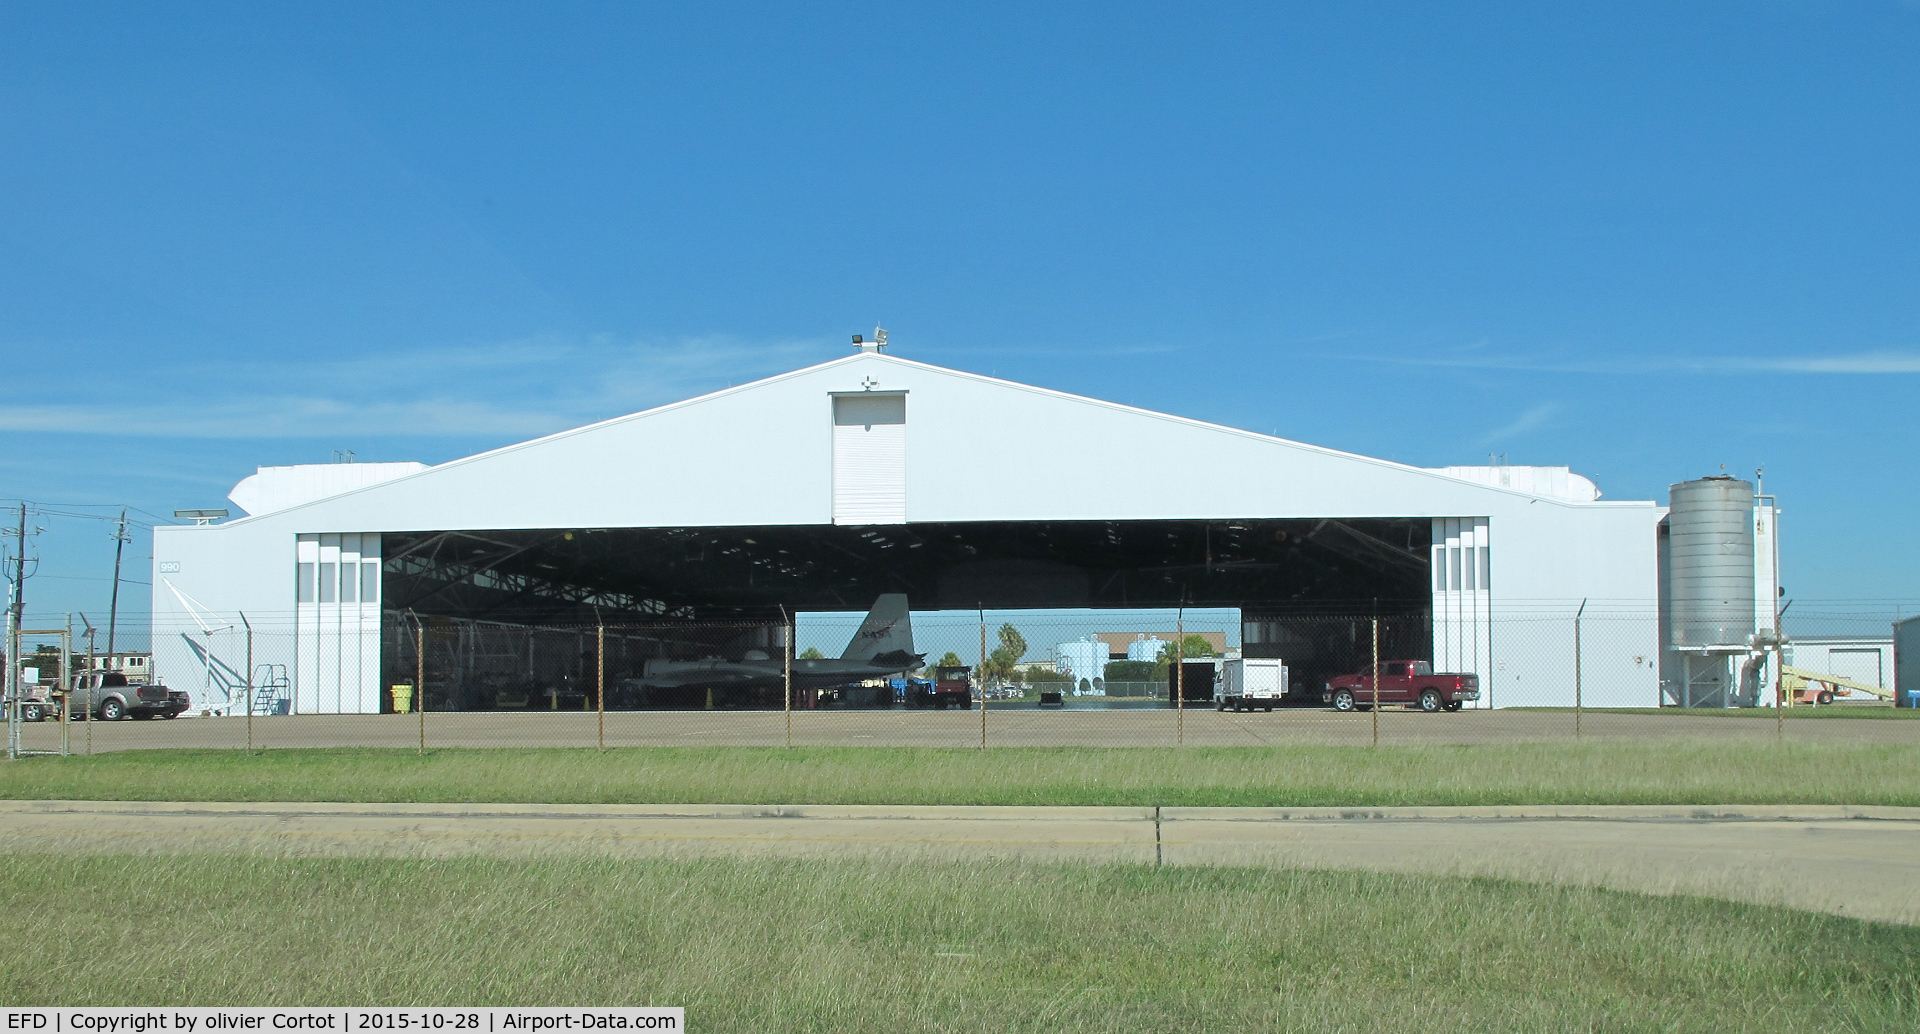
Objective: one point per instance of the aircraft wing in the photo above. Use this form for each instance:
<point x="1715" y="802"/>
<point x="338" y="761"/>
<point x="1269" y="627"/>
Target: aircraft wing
<point x="709" y="675"/>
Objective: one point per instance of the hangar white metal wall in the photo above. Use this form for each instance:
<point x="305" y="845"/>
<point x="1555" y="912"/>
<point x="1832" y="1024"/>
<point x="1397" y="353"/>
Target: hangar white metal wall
<point x="766" y="454"/>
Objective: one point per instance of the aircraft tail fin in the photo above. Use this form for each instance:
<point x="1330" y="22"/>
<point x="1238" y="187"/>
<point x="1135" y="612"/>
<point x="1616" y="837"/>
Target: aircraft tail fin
<point x="887" y="630"/>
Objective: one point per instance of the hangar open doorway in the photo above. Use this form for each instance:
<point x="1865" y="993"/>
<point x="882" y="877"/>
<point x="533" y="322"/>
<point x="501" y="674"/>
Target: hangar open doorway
<point x="517" y="608"/>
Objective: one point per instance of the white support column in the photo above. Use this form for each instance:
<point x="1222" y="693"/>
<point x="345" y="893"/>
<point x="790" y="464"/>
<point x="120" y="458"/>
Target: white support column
<point x="1483" y="607"/>
<point x="1442" y="599"/>
<point x="306" y="662"/>
<point x="368" y="700"/>
<point x="1463" y="597"/>
<point x="327" y="672"/>
<point x="351" y="648"/>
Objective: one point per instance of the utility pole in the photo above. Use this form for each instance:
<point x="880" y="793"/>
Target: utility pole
<point x="20" y="570"/>
<point x="16" y="616"/>
<point x="119" y="546"/>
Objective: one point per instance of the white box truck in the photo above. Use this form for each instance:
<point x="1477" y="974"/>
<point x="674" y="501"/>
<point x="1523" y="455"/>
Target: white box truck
<point x="1251" y="683"/>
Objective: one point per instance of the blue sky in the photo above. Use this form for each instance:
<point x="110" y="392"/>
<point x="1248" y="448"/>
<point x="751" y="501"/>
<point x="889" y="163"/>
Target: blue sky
<point x="1641" y="240"/>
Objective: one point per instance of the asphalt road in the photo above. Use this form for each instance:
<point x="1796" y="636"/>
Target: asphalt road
<point x="1022" y="726"/>
<point x="1859" y="862"/>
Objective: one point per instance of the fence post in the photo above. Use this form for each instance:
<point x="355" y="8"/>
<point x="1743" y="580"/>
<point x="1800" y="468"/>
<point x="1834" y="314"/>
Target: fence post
<point x="983" y="695"/>
<point x="66" y="677"/>
<point x="420" y="678"/>
<point x="1780" y="687"/>
<point x="786" y="673"/>
<point x="600" y="678"/>
<point x="1180" y="677"/>
<point x="1375" y="709"/>
<point x="982" y="670"/>
<point x="1579" y="669"/>
<point x="249" y="624"/>
<point x="1493" y="669"/>
<point x="1779" y="633"/>
<point x="11" y="678"/>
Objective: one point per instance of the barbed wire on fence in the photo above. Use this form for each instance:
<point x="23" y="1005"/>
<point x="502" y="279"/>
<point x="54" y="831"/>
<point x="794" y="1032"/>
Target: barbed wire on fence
<point x="284" y="679"/>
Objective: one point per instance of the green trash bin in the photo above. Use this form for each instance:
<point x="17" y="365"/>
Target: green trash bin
<point x="402" y="699"/>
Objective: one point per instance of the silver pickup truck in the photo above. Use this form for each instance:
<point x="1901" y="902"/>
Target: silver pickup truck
<point x="106" y="695"/>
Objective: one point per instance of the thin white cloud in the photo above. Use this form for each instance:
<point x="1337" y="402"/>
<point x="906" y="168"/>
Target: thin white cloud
<point x="514" y="389"/>
<point x="1862" y="362"/>
<point x="283" y="416"/>
<point x="1095" y="351"/>
<point x="1885" y="362"/>
<point x="1525" y="422"/>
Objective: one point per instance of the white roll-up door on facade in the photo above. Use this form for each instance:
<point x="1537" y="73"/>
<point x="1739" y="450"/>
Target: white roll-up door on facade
<point x="1859" y="665"/>
<point x="337" y="603"/>
<point x="870" y="458"/>
<point x="1463" y="600"/>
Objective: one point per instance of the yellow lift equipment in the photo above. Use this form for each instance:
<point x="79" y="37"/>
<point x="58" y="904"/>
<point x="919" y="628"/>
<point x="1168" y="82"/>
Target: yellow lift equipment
<point x="1814" y="687"/>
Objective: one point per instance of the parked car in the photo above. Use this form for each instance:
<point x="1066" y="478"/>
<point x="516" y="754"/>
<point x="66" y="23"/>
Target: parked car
<point x="108" y="696"/>
<point x="1406" y="683"/>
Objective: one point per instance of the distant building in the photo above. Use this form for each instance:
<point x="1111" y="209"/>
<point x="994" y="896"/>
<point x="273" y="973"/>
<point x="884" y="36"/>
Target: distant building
<point x="1147" y="648"/>
<point x="137" y="666"/>
<point x="134" y="665"/>
<point x="1868" y="660"/>
<point x="1906" y="659"/>
<point x="1123" y="646"/>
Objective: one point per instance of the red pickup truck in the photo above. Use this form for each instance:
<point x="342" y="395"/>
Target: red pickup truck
<point x="1410" y="683"/>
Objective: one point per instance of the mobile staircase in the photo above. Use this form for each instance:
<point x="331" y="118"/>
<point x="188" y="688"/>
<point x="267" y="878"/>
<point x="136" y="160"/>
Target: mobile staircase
<point x="272" y="690"/>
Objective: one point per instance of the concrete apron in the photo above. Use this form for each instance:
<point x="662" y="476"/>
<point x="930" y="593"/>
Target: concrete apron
<point x="1855" y="861"/>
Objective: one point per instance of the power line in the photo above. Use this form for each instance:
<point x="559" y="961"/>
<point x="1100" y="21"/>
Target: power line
<point x="51" y="510"/>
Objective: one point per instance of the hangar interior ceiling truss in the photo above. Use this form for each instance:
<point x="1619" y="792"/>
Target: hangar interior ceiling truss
<point x="1261" y="565"/>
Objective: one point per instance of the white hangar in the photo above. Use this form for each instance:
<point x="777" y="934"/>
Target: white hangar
<point x="821" y="488"/>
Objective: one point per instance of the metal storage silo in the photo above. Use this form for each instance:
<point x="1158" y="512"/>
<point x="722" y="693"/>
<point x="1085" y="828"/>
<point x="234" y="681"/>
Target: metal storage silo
<point x="1085" y="660"/>
<point x="1710" y="536"/>
<point x="1146" y="649"/>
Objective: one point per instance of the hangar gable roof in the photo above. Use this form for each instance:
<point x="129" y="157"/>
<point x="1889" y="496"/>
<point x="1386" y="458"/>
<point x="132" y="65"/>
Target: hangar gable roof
<point x="977" y="449"/>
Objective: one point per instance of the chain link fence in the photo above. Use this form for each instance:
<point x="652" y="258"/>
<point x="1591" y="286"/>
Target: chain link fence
<point x="972" y="680"/>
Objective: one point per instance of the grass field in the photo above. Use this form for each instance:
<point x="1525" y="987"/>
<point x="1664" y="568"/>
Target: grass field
<point x="1869" y="712"/>
<point x="756" y="946"/>
<point x="1665" y="772"/>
